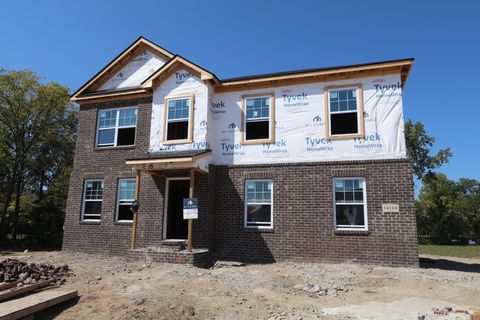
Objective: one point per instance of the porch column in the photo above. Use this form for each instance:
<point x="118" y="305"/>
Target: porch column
<point x="135" y="214"/>
<point x="190" y="221"/>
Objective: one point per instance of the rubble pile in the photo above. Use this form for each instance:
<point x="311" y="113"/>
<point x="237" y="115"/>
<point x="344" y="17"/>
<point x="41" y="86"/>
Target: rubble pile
<point x="12" y="270"/>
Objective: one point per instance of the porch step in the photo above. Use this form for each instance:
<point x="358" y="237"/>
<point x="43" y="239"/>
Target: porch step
<point x="198" y="257"/>
<point x="175" y="244"/>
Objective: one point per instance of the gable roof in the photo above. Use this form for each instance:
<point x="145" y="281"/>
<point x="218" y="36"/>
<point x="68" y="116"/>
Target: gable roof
<point x="89" y="91"/>
<point x="122" y="59"/>
<point x="179" y="60"/>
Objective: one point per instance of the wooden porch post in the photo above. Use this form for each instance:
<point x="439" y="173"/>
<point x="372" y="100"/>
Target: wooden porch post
<point x="135" y="215"/>
<point x="190" y="221"/>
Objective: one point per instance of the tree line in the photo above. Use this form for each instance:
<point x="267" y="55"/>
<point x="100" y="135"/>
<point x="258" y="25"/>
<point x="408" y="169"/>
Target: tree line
<point x="37" y="140"/>
<point x="448" y="211"/>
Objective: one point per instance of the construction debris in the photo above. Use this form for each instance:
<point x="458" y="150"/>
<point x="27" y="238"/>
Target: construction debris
<point x="23" y="273"/>
<point x="29" y="305"/>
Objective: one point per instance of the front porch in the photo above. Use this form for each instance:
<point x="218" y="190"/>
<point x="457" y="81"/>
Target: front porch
<point x="176" y="172"/>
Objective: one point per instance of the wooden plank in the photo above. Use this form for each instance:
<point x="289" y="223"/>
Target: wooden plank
<point x="22" y="307"/>
<point x="7" y="285"/>
<point x="22" y="290"/>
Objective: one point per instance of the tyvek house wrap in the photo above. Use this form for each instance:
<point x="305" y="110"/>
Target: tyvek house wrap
<point x="180" y="83"/>
<point x="137" y="70"/>
<point x="300" y="123"/>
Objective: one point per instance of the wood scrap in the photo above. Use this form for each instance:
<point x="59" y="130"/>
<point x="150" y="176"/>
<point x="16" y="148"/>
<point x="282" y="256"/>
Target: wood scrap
<point x="23" y="307"/>
<point x="18" y="291"/>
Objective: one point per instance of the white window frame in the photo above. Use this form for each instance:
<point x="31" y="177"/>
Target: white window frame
<point x="270" y="118"/>
<point x="84" y="200"/>
<point x="116" y="127"/>
<point x="260" y="226"/>
<point x="365" y="213"/>
<point x="118" y="200"/>
<point x="191" y="110"/>
<point x="358" y="111"/>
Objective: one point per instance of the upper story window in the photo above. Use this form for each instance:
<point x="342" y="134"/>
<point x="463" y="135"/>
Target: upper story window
<point x="258" y="126"/>
<point x="178" y="120"/>
<point x="344" y="112"/>
<point x="92" y="200"/>
<point x="116" y="127"/>
<point x="350" y="204"/>
<point x="258" y="203"/>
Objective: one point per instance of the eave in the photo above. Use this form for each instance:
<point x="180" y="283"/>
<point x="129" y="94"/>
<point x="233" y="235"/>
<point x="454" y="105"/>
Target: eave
<point x="318" y="75"/>
<point x="95" y="97"/>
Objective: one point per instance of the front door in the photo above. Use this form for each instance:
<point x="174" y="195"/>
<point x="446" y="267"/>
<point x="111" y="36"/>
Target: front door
<point x="177" y="228"/>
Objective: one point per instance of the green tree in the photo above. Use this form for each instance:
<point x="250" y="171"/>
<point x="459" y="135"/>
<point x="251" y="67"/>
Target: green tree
<point x="419" y="145"/>
<point x="449" y="211"/>
<point x="37" y="134"/>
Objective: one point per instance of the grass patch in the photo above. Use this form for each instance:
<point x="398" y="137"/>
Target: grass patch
<point x="450" y="251"/>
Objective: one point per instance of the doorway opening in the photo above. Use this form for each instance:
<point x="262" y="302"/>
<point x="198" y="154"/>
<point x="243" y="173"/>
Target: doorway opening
<point x="174" y="226"/>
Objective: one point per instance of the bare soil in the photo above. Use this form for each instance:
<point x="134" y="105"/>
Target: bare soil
<point x="112" y="288"/>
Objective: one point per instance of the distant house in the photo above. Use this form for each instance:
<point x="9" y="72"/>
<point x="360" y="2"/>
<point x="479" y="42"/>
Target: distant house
<point x="299" y="165"/>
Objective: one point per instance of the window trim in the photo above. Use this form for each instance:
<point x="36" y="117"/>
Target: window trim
<point x="271" y="118"/>
<point x="245" y="211"/>
<point x="189" y="139"/>
<point x="365" y="206"/>
<point x="102" y="146"/>
<point x="360" y="113"/>
<point x="82" y="215"/>
<point x="117" y="207"/>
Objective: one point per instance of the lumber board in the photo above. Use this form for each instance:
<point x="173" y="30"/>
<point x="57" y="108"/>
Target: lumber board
<point x="22" y="290"/>
<point x="7" y="285"/>
<point x="23" y="307"/>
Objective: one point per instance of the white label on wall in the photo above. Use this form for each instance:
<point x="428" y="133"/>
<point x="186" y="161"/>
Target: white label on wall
<point x="390" y="208"/>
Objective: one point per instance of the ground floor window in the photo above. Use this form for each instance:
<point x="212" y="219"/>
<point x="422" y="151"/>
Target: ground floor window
<point x="92" y="200"/>
<point x="126" y="196"/>
<point x="258" y="203"/>
<point x="350" y="203"/>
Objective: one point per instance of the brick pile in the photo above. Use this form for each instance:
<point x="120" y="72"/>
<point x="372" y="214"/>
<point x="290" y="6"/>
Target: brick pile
<point x="13" y="270"/>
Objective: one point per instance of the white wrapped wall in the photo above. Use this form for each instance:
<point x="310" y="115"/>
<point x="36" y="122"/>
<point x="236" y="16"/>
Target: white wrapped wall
<point x="135" y="72"/>
<point x="181" y="82"/>
<point x="300" y="123"/>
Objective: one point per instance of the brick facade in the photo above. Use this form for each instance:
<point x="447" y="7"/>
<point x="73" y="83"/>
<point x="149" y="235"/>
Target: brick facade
<point x="303" y="205"/>
<point x="303" y="214"/>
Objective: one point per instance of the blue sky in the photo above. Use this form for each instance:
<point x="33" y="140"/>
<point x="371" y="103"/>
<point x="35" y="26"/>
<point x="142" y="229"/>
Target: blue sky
<point x="69" y="41"/>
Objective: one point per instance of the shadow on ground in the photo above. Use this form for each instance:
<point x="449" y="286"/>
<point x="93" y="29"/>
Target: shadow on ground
<point x="56" y="310"/>
<point x="446" y="264"/>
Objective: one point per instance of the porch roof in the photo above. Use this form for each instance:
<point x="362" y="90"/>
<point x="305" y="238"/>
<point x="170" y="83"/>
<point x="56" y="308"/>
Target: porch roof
<point x="153" y="162"/>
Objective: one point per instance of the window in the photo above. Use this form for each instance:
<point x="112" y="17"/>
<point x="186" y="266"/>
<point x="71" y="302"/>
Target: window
<point x="258" y="204"/>
<point x="116" y="127"/>
<point x="92" y="200"/>
<point x="345" y="112"/>
<point x="350" y="203"/>
<point x="258" y="113"/>
<point x="178" y="119"/>
<point x="126" y="196"/>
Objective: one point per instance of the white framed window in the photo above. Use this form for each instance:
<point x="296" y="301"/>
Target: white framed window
<point x="178" y="124"/>
<point x="116" y="127"/>
<point x="258" y="114"/>
<point x="92" y="200"/>
<point x="345" y="112"/>
<point x="125" y="198"/>
<point x="350" y="204"/>
<point x="259" y="203"/>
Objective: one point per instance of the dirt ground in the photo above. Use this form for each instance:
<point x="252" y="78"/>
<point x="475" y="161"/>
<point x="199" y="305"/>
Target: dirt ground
<point x="112" y="288"/>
